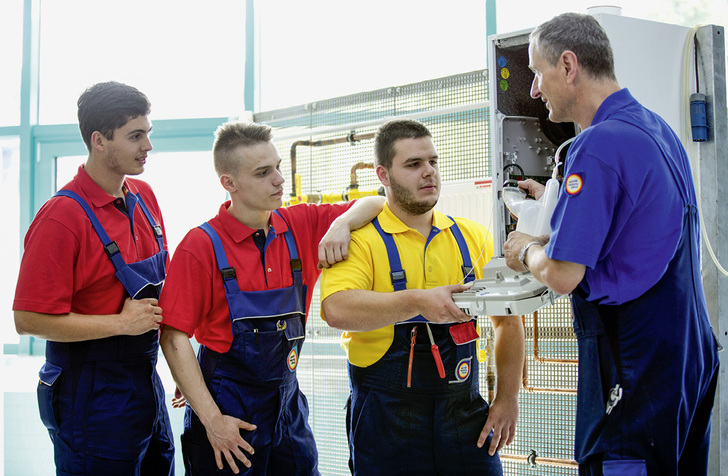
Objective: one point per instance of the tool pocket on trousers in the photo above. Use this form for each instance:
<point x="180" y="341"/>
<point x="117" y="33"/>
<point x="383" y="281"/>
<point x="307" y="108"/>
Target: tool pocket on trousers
<point x="629" y="467"/>
<point x="47" y="387"/>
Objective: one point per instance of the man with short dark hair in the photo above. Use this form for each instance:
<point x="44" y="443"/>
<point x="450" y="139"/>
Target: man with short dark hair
<point x="242" y="283"/>
<point x="93" y="266"/>
<point x="415" y="406"/>
<point x="648" y="364"/>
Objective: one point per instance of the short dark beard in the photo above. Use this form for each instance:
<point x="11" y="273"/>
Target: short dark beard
<point x="404" y="199"/>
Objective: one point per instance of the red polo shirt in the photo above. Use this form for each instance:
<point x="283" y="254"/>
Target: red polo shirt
<point x="193" y="299"/>
<point x="65" y="267"/>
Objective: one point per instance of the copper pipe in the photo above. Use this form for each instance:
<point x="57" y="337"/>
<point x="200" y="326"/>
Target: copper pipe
<point x="543" y="360"/>
<point x="524" y="380"/>
<point x="490" y="377"/>
<point x="317" y="143"/>
<point x="359" y="166"/>
<point x="535" y="460"/>
<point x="550" y="391"/>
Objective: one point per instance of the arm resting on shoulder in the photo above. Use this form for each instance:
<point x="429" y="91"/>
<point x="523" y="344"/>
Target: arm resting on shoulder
<point x="334" y="246"/>
<point x="135" y="318"/>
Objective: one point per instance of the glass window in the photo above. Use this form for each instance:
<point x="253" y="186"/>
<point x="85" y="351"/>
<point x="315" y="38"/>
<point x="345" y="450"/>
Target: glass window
<point x="187" y="57"/>
<point x="329" y="48"/>
<point x="11" y="54"/>
<point x="10" y="240"/>
<point x="187" y="194"/>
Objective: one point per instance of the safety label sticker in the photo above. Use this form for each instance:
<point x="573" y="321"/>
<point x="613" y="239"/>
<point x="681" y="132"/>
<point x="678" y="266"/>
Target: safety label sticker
<point x="574" y="184"/>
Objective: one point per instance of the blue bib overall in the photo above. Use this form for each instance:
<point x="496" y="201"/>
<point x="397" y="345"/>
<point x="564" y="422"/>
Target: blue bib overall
<point x="648" y="370"/>
<point x="102" y="400"/>
<point x="255" y="380"/>
<point x="402" y="417"/>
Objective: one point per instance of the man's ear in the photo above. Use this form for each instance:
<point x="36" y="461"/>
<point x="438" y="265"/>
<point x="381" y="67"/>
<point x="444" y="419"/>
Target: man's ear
<point x="570" y="65"/>
<point x="98" y="141"/>
<point x="383" y="175"/>
<point x="227" y="183"/>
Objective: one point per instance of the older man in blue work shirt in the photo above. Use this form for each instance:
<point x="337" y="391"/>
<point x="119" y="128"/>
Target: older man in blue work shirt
<point x="629" y="257"/>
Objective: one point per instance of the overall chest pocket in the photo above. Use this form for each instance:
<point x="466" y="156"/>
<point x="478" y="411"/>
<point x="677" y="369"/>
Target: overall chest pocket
<point x="269" y="350"/>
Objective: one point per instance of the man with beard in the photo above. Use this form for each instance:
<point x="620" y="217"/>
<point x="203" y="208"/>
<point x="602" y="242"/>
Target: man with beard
<point x="412" y="368"/>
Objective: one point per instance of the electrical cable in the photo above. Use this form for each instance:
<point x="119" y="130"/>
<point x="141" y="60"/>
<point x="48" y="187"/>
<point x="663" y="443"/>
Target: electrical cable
<point x="691" y="146"/>
<point x="507" y="166"/>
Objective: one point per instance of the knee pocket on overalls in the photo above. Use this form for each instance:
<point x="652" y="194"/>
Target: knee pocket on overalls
<point x="636" y="467"/>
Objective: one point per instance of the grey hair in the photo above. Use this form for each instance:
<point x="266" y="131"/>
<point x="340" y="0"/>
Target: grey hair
<point x="581" y="34"/>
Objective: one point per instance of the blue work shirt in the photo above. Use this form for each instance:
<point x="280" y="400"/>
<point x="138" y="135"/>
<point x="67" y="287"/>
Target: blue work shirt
<point x="619" y="211"/>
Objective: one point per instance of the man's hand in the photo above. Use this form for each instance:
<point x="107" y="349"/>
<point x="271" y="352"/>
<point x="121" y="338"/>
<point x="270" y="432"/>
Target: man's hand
<point x="533" y="188"/>
<point x="515" y="243"/>
<point x="224" y="436"/>
<point x="140" y="316"/>
<point x="437" y="304"/>
<point x="502" y="419"/>
<point x="334" y="246"/>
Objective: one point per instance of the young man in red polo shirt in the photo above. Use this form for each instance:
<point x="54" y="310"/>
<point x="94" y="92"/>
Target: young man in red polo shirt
<point x="241" y="284"/>
<point x="93" y="265"/>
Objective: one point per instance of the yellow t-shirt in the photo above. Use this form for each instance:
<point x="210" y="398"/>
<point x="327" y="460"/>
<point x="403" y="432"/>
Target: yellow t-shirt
<point x="427" y="265"/>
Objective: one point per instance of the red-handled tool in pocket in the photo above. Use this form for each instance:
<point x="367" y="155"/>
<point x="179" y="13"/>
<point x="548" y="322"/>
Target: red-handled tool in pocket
<point x="436" y="353"/>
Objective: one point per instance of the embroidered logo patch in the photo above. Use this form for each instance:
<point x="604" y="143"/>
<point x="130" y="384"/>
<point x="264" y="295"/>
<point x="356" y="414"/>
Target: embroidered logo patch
<point x="574" y="184"/>
<point x="292" y="359"/>
<point x="462" y="370"/>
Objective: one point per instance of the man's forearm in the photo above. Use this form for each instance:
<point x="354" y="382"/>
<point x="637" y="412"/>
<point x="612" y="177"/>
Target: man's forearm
<point x="187" y="374"/>
<point x="510" y="351"/>
<point x="561" y="276"/>
<point x="69" y="327"/>
<point x="362" y="310"/>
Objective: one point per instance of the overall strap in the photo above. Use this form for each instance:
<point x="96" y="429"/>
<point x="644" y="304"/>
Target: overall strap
<point x="398" y="275"/>
<point x="228" y="272"/>
<point x="399" y="278"/>
<point x="464" y="252"/>
<point x="296" y="265"/>
<point x="112" y="249"/>
<point x="157" y="228"/>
